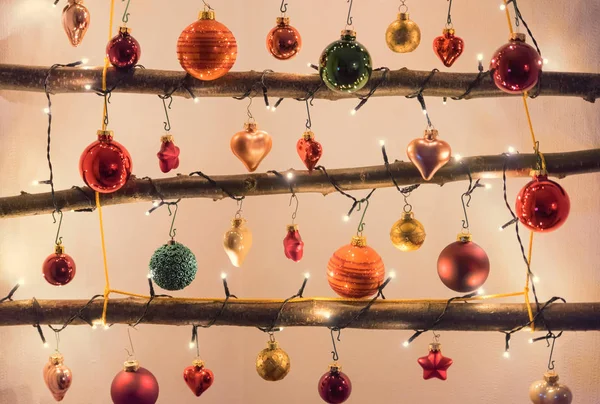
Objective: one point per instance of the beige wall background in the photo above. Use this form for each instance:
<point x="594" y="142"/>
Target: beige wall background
<point x="380" y="368"/>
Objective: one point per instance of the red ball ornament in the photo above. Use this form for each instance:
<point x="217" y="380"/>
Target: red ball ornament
<point x="59" y="268"/>
<point x="168" y="155"/>
<point x="435" y="364"/>
<point x="463" y="266"/>
<point x="134" y="385"/>
<point x="293" y="246"/>
<point x="448" y="47"/>
<point x="198" y="378"/>
<point x="123" y="51"/>
<point x="516" y="66"/>
<point x="309" y="150"/>
<point x="334" y="386"/>
<point x="542" y="205"/>
<point x="284" y="41"/>
<point x="105" y="165"/>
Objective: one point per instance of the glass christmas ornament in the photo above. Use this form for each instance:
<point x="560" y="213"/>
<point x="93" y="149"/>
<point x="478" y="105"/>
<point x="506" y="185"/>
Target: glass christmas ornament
<point x="542" y="205"/>
<point x="134" y="385"/>
<point x="448" y="47"/>
<point x="75" y="20"/>
<point x="273" y="363"/>
<point x="293" y="246"/>
<point x="59" y="268"/>
<point x="237" y="241"/>
<point x="168" y="155"/>
<point x="403" y="35"/>
<point x="407" y="234"/>
<point x="463" y="266"/>
<point x="516" y="66"/>
<point x="345" y="65"/>
<point x="105" y="165"/>
<point x="173" y="266"/>
<point x="428" y="153"/>
<point x="251" y="145"/>
<point x="309" y="150"/>
<point x="206" y="49"/>
<point x="123" y="50"/>
<point x="435" y="364"/>
<point x="334" y="386"/>
<point x="549" y="391"/>
<point x="198" y="378"/>
<point x="57" y="376"/>
<point x="283" y="41"/>
<point x="355" y="270"/>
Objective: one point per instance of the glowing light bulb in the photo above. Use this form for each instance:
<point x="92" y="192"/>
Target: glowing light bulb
<point x="196" y="100"/>
<point x="502" y="7"/>
<point x="192" y="345"/>
<point x="488" y="186"/>
<point x="424" y="112"/>
<point x="273" y="109"/>
<point x="85" y="61"/>
<point x="35" y="182"/>
<point x="46" y="110"/>
<point x="457" y="157"/>
<point x="150" y="276"/>
<point x="106" y="327"/>
<point x="46" y="345"/>
<point x="382" y="142"/>
<point x="546" y="61"/>
<point x="480" y="57"/>
<point x="280" y="328"/>
<point x="223" y="275"/>
<point x="88" y="86"/>
<point x="307" y="275"/>
<point x="353" y="112"/>
<point x="536" y="279"/>
<point x="444" y="102"/>
<point x="290" y="175"/>
<point x="21" y="282"/>
<point x="268" y="107"/>
<point x="501" y="228"/>
<point x="506" y="354"/>
<point x="346" y="218"/>
<point x="405" y="344"/>
<point x="147" y="213"/>
<point x="511" y="150"/>
<point x="392" y="274"/>
<point x="480" y="291"/>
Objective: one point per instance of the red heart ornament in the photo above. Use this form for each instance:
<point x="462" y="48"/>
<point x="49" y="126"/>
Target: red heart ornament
<point x="198" y="378"/>
<point x="428" y="153"/>
<point x="309" y="150"/>
<point x="168" y="155"/>
<point x="448" y="47"/>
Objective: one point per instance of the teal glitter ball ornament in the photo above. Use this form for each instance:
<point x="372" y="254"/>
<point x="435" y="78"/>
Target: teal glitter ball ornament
<point x="345" y="65"/>
<point x="173" y="266"/>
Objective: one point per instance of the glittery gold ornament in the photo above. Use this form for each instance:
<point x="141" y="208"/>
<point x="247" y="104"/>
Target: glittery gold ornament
<point x="403" y="35"/>
<point x="272" y="363"/>
<point x="237" y="241"/>
<point x="549" y="391"/>
<point x="407" y="234"/>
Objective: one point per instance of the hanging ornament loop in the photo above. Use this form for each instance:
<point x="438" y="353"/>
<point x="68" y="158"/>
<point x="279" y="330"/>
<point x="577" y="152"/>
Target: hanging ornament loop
<point x="403" y="8"/>
<point x="334" y="353"/>
<point x="167" y="107"/>
<point x="58" y="239"/>
<point x="349" y="17"/>
<point x="361" y="223"/>
<point x="125" y="18"/>
<point x="173" y="230"/>
<point x="449" y="18"/>
<point x="465" y="198"/>
<point x="207" y="6"/>
<point x="309" y="101"/>
<point x="283" y="7"/>
<point x="130" y="355"/>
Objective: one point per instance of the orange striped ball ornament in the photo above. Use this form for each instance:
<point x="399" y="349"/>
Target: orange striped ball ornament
<point x="355" y="270"/>
<point x="206" y="49"/>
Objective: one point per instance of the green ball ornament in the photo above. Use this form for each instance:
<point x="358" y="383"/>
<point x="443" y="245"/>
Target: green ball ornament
<point x="173" y="266"/>
<point x="345" y="65"/>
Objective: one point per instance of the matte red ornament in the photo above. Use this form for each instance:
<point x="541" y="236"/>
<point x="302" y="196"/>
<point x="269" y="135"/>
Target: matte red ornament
<point x="123" y="51"/>
<point x="293" y="246"/>
<point x="134" y="385"/>
<point x="334" y="386"/>
<point x="448" y="47"/>
<point x="516" y="66"/>
<point x="198" y="378"/>
<point x="57" y="376"/>
<point x="284" y="41"/>
<point x="59" y="268"/>
<point x="435" y="364"/>
<point x="168" y="155"/>
<point x="428" y="153"/>
<point x="463" y="266"/>
<point x="309" y="150"/>
<point x="542" y="205"/>
<point x="105" y="165"/>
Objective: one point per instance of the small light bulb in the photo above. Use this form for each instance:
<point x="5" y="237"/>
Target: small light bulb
<point x="502" y="7"/>
<point x="526" y="329"/>
<point x="223" y="275"/>
<point x="196" y="100"/>
<point x="511" y="149"/>
<point x="147" y="213"/>
<point x="309" y="64"/>
<point x="457" y="157"/>
<point x="150" y="276"/>
<point x="94" y="326"/>
<point x="346" y="218"/>
<point x="273" y="109"/>
<point x="290" y="175"/>
<point x="307" y="275"/>
<point x="46" y="110"/>
<point x="480" y="291"/>
<point x="21" y="282"/>
<point x="352" y="112"/>
<point x="405" y="344"/>
<point x="501" y="228"/>
<point x="480" y="57"/>
<point x="488" y="186"/>
<point x="444" y="102"/>
<point x="327" y="315"/>
<point x="506" y="354"/>
<point x="155" y="204"/>
<point x="85" y="61"/>
<point x="106" y="327"/>
<point x="280" y="328"/>
<point x="424" y="112"/>
<point x="268" y="107"/>
<point x="35" y="182"/>
<point x="536" y="279"/>
<point x="192" y="345"/>
<point x="382" y="142"/>
<point x="46" y="345"/>
<point x="392" y="274"/>
<point x="88" y="86"/>
<point x="546" y="61"/>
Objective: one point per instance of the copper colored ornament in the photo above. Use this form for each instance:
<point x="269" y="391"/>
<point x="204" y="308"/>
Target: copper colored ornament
<point x="463" y="266"/>
<point x="105" y="165"/>
<point x="516" y="66"/>
<point x="309" y="150"/>
<point x="334" y="386"/>
<point x="206" y="49"/>
<point x="448" y="47"/>
<point x="76" y="20"/>
<point x="407" y="234"/>
<point x="168" y="155"/>
<point x="134" y="385"/>
<point x="198" y="378"/>
<point x="237" y="241"/>
<point x="59" y="268"/>
<point x="251" y="145"/>
<point x="57" y="376"/>
<point x="428" y="153"/>
<point x="435" y="364"/>
<point x="542" y="205"/>
<point x="293" y="246"/>
<point x="403" y="35"/>
<point x="284" y="41"/>
<point x="355" y="270"/>
<point x="273" y="363"/>
<point x="549" y="391"/>
<point x="123" y="50"/>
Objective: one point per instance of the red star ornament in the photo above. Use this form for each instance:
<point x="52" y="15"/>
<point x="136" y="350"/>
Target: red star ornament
<point x="435" y="364"/>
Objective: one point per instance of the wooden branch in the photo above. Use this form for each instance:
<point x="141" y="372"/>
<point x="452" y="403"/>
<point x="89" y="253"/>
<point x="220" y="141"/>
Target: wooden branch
<point x="285" y="85"/>
<point x="183" y="186"/>
<point x="307" y="313"/>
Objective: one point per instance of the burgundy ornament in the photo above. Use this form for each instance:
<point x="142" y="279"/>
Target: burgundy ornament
<point x="448" y="47"/>
<point x="293" y="246"/>
<point x="429" y="153"/>
<point x="105" y="165"/>
<point x="516" y="66"/>
<point x="463" y="266"/>
<point x="542" y="205"/>
<point x="309" y="150"/>
<point x="59" y="268"/>
<point x="123" y="51"/>
<point x="284" y="41"/>
<point x="168" y="155"/>
<point x="334" y="386"/>
<point x="198" y="378"/>
<point x="435" y="364"/>
<point x="134" y="385"/>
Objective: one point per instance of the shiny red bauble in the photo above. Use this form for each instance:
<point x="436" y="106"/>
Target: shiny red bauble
<point x="463" y="266"/>
<point x="293" y="246"/>
<point x="516" y="66"/>
<point x="542" y="205"/>
<point x="334" y="386"/>
<point x="168" y="155"/>
<point x="284" y="41"/>
<point x="105" y="165"/>
<point x="309" y="150"/>
<point x="448" y="47"/>
<point x="435" y="364"/>
<point x="59" y="268"/>
<point x="123" y="51"/>
<point x="198" y="378"/>
<point x="134" y="385"/>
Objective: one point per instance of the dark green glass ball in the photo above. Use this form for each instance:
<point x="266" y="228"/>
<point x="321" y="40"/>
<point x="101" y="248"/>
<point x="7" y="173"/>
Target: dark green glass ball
<point x="173" y="266"/>
<point x="345" y="65"/>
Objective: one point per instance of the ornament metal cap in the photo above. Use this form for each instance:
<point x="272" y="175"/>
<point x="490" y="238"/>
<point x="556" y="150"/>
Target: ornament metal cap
<point x="105" y="135"/>
<point x="206" y="15"/>
<point x="517" y="36"/>
<point x="282" y="20"/>
<point x="57" y="359"/>
<point x="59" y="249"/>
<point x="199" y="363"/>
<point x="403" y="16"/>
<point x="131" y="366"/>
<point x="335" y="367"/>
<point x="75" y="1"/>
<point x="124" y="30"/>
<point x="359" y="241"/>
<point x="464" y="237"/>
<point x="167" y="138"/>
<point x="237" y="221"/>
<point x="307" y="135"/>
<point x="430" y="133"/>
<point x="408" y="216"/>
<point x="272" y="345"/>
<point x="292" y="227"/>
<point x="348" y="33"/>
<point x="435" y="346"/>
<point x="551" y="377"/>
<point x="250" y="126"/>
<point x="448" y="31"/>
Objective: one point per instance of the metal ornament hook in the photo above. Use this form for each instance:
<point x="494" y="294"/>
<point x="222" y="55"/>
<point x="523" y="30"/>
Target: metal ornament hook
<point x="361" y="223"/>
<point x="172" y="230"/>
<point x="436" y="337"/>
<point x="308" y="119"/>
<point x="283" y="7"/>
<point x="449" y="19"/>
<point x="294" y="198"/>
<point x="336" y="357"/>
<point x="240" y="204"/>
<point x="207" y="6"/>
<point x="57" y="336"/>
<point x="349" y="18"/>
<point x="248" y="111"/>
<point x="58" y="239"/>
<point x="125" y="18"/>
<point x="132" y="353"/>
<point x="167" y="123"/>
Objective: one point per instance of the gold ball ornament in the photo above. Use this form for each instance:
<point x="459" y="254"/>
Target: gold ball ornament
<point x="549" y="391"/>
<point x="273" y="363"/>
<point x="407" y="234"/>
<point x="403" y="35"/>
